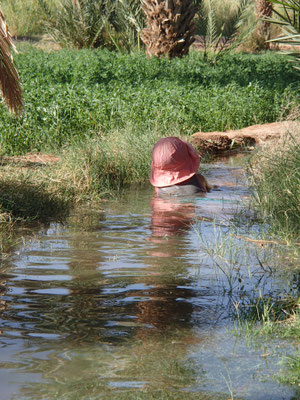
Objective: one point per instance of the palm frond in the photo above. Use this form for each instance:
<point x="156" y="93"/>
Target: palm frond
<point x="10" y="84"/>
<point x="231" y="39"/>
<point x="129" y="23"/>
<point x="219" y="37"/>
<point x="288" y="17"/>
<point x="78" y="23"/>
<point x="211" y="24"/>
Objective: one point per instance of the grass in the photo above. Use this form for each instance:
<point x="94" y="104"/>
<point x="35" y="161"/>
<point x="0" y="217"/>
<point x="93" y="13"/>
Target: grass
<point x="102" y="167"/>
<point x="275" y="179"/>
<point x="280" y="319"/>
<point x="86" y="173"/>
<point x="248" y="274"/>
<point x="290" y="373"/>
<point x="101" y="113"/>
<point x="73" y="95"/>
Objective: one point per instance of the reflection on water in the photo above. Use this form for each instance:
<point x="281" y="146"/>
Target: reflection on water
<point x="123" y="304"/>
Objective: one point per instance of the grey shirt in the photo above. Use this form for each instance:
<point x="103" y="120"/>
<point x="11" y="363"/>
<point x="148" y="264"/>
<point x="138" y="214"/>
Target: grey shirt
<point x="186" y="188"/>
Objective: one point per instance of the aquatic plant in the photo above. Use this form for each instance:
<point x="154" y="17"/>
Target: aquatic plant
<point x="290" y="367"/>
<point x="244" y="270"/>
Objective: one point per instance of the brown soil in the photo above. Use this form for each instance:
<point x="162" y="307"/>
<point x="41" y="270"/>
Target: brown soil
<point x="214" y="142"/>
<point x="31" y="160"/>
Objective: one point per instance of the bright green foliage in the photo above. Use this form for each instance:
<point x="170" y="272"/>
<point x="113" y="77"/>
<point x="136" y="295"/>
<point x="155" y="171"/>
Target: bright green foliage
<point x="70" y="95"/>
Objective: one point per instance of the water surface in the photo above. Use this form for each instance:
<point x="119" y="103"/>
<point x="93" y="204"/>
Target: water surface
<point x="130" y="302"/>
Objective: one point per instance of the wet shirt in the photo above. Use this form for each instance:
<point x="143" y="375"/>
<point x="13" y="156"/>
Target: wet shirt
<point x="186" y="188"/>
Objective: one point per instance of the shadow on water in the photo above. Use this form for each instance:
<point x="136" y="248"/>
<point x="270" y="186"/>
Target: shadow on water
<point x="125" y="304"/>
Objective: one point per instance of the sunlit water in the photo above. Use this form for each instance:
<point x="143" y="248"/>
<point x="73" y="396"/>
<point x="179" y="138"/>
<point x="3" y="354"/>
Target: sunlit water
<point x="130" y="302"/>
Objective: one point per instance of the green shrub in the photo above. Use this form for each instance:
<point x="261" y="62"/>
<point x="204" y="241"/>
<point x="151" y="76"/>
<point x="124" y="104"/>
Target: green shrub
<point x="70" y="95"/>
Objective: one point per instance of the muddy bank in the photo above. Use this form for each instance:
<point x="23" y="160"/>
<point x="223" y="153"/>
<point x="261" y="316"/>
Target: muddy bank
<point x="248" y="137"/>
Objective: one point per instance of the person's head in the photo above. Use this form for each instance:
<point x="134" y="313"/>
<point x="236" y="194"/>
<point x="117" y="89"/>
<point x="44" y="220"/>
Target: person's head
<point x="173" y="161"/>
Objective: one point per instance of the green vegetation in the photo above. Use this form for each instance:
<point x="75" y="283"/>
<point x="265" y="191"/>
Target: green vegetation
<point x="93" y="23"/>
<point x="264" y="327"/>
<point x="71" y="95"/>
<point x="23" y="17"/>
<point x="268" y="319"/>
<point x="101" y="113"/>
<point x="291" y="367"/>
<point x="88" y="171"/>
<point x="275" y="177"/>
<point x="245" y="269"/>
<point x="118" y="24"/>
<point x="96" y="109"/>
<point x="288" y="18"/>
<point x="219" y="27"/>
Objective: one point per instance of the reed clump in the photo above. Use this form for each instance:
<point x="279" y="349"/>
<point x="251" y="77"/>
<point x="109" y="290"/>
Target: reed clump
<point x="275" y="182"/>
<point x="102" y="166"/>
<point x="86" y="172"/>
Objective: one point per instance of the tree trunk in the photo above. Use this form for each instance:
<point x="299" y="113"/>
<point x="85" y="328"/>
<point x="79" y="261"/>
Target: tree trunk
<point x="264" y="9"/>
<point x="10" y="86"/>
<point x="170" y="27"/>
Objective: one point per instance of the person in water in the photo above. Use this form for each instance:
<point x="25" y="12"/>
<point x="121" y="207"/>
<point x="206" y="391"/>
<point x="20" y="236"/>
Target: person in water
<point x="174" y="168"/>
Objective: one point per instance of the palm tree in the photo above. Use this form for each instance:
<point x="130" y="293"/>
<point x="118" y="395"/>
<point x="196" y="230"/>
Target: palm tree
<point x="264" y="10"/>
<point x="10" y="85"/>
<point x="170" y="27"/>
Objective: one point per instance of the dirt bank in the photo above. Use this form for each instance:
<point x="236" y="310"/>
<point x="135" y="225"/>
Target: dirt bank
<point x="213" y="142"/>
